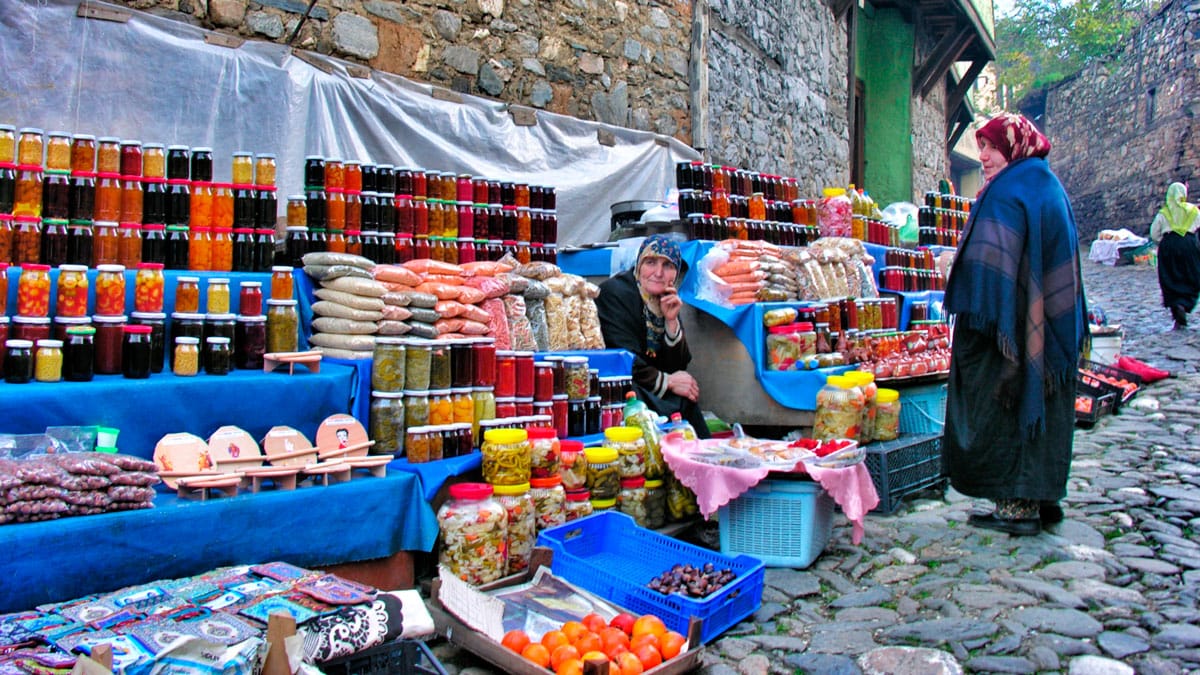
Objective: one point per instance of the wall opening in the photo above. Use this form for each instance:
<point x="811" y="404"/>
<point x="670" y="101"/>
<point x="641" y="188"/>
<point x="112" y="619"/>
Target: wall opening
<point x="1150" y="106"/>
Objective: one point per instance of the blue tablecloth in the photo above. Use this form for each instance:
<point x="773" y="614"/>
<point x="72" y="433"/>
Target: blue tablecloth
<point x="434" y="474"/>
<point x="590" y="262"/>
<point x="363" y="519"/>
<point x="146" y="410"/>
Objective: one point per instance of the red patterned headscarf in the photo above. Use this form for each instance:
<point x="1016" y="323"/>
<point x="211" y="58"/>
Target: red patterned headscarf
<point x="1014" y="136"/>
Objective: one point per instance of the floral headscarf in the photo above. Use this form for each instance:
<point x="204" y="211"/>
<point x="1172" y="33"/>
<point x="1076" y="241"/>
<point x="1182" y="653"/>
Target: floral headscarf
<point x="1179" y="214"/>
<point x="656" y="245"/>
<point x="1014" y="136"/>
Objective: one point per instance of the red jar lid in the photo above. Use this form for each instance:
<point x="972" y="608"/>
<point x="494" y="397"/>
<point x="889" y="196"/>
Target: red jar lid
<point x="150" y="265"/>
<point x="470" y="491"/>
<point x="579" y="495"/>
<point x="804" y="326"/>
<point x="635" y="482"/>
<point x="243" y="230"/>
<point x="131" y="226"/>
<point x="28" y="219"/>
<point x="138" y="329"/>
<point x="547" y="482"/>
<point x="541" y="432"/>
<point x="178" y="181"/>
<point x="109" y="174"/>
<point x="33" y="267"/>
<point x="30" y="167"/>
<point x="84" y="174"/>
<point x="242" y="186"/>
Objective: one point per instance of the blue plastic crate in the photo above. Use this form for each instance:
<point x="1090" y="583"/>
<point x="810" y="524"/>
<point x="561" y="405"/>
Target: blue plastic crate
<point x="611" y="556"/>
<point x="923" y="409"/>
<point x="784" y="523"/>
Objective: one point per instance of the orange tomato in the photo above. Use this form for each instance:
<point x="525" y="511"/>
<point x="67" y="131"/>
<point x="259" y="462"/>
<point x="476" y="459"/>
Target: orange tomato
<point x="648" y="623"/>
<point x="648" y="655"/>
<point x="563" y="653"/>
<point x="613" y="637"/>
<point x="570" y="667"/>
<point x="554" y="639"/>
<point x="671" y="644"/>
<point x="630" y="664"/>
<point x="594" y="622"/>
<point x="538" y="654"/>
<point x="589" y="642"/>
<point x="515" y="640"/>
<point x="573" y="629"/>
<point x="645" y="639"/>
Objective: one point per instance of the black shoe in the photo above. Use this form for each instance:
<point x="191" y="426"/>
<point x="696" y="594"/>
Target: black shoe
<point x="1050" y="513"/>
<point x="1020" y="527"/>
<point x="1180" y="316"/>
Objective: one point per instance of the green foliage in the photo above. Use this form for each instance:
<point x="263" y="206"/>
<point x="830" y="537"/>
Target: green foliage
<point x="1040" y="42"/>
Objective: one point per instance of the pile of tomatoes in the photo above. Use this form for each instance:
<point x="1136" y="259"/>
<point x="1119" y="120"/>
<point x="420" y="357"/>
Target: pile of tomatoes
<point x="630" y="645"/>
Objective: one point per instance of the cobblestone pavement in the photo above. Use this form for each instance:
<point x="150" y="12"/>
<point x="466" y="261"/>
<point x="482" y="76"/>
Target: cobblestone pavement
<point x="1111" y="590"/>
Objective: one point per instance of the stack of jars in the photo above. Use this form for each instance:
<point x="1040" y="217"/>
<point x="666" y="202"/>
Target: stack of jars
<point x="219" y="340"/>
<point x="346" y="207"/>
<point x="219" y="226"/>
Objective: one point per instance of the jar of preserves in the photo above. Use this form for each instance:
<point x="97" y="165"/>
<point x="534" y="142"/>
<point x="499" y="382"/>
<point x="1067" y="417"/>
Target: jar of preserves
<point x="54" y="242"/>
<point x="418" y="356"/>
<point x="81" y="197"/>
<point x="83" y="152"/>
<point x="506" y="374"/>
<point x="388" y="364"/>
<point x="148" y="287"/>
<point x="631" y="449"/>
<point x="484" y="402"/>
<point x="578" y="504"/>
<point x="105" y="243"/>
<point x="8" y="147"/>
<point x="27" y="240"/>
<point x="549" y="501"/>
<point x="153" y="161"/>
<point x="78" y="354"/>
<point x="243" y="168"/>
<point x="522" y="524"/>
<point x="416" y="408"/>
<point x="48" y="362"/>
<point x="839" y="409"/>
<point x="135" y="352"/>
<point x="250" y="342"/>
<point x="56" y="195"/>
<point x="631" y="500"/>
<point x="129" y="245"/>
<point x="178" y="162"/>
<point x="33" y="290"/>
<point x="157" y="321"/>
<point x="387" y="421"/>
<point x="484" y="358"/>
<point x="264" y="170"/>
<point x="32" y="328"/>
<point x="283" y="325"/>
<point x="110" y="332"/>
<point x="604" y="472"/>
<point x="18" y="361"/>
<point x="79" y="243"/>
<point x="218" y="356"/>
<point x="463" y="405"/>
<point x="282" y="287"/>
<point x="418" y="443"/>
<point x="576" y="382"/>
<point x="887" y="415"/>
<point x="6" y="237"/>
<point x="441" y="408"/>
<point x="110" y="289"/>
<point x="202" y="164"/>
<point x="30" y="146"/>
<point x="199" y="249"/>
<point x="106" y="199"/>
<point x="175" y="249"/>
<point x="228" y="200"/>
<point x="656" y="504"/>
<point x="187" y="294"/>
<point x="221" y="250"/>
<point x="72" y="297"/>
<point x="506" y="456"/>
<point x="474" y="531"/>
<point x="217" y="295"/>
<point x="186" y="324"/>
<point x="185" y="359"/>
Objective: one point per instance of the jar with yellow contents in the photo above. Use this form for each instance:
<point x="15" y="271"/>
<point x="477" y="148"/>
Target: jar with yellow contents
<point x="631" y="449"/>
<point x="506" y="456"/>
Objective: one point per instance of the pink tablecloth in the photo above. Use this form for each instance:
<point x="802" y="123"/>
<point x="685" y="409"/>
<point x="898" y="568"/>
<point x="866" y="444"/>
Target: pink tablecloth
<point x="715" y="486"/>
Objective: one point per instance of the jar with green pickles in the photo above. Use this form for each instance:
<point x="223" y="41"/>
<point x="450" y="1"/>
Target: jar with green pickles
<point x="603" y="473"/>
<point x="417" y="355"/>
<point x="283" y="325"/>
<point x="549" y="500"/>
<point x="416" y="408"/>
<point x="474" y="534"/>
<point x="440" y="372"/>
<point x="681" y="501"/>
<point x="656" y="504"/>
<point x="506" y="456"/>
<point x="387" y="364"/>
<point x="578" y="504"/>
<point x="484" y="401"/>
<point x="631" y="500"/>
<point x="522" y="524"/>
<point x="630" y="447"/>
<point x="387" y="422"/>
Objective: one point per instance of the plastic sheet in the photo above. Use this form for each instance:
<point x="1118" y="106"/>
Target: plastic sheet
<point x="157" y="80"/>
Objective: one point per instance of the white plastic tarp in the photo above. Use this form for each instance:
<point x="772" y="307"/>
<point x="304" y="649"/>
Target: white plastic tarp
<point x="156" y="80"/>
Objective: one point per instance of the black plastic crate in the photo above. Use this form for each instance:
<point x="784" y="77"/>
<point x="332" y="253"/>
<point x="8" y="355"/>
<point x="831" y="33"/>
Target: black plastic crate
<point x="901" y="467"/>
<point x="1088" y="371"/>
<point x="398" y="657"/>
<point x="1092" y="403"/>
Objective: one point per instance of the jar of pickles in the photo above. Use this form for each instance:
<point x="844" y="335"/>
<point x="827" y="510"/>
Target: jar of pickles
<point x="110" y="289"/>
<point x="474" y="532"/>
<point x="573" y="465"/>
<point x="522" y="524"/>
<point x="72" y="297"/>
<point x="631" y="449"/>
<point x="545" y="446"/>
<point x="387" y="364"/>
<point x="33" y="290"/>
<point x="631" y="500"/>
<point x="283" y="325"/>
<point x="656" y="504"/>
<point x="549" y="501"/>
<point x="484" y="403"/>
<point x="578" y="504"/>
<point x="866" y="383"/>
<point x="839" y="409"/>
<point x="387" y="421"/>
<point x="418" y="357"/>
<point x="576" y="382"/>
<point x="887" y="415"/>
<point x="148" y="287"/>
<point x="603" y="472"/>
<point x="187" y="294"/>
<point x="506" y="456"/>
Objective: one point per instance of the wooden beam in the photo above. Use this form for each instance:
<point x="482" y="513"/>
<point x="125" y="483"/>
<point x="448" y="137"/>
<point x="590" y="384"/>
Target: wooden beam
<point x="940" y="59"/>
<point x="839" y="7"/>
<point x="955" y="134"/>
<point x="960" y="91"/>
<point x="698" y="75"/>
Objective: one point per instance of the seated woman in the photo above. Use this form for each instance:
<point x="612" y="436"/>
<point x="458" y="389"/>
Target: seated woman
<point x="639" y="312"/>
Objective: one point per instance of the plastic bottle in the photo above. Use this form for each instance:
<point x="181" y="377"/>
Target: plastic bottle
<point x="640" y="416"/>
<point x="681" y="426"/>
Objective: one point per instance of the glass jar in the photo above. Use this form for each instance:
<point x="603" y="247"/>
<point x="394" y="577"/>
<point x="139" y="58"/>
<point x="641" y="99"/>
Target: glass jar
<point x="158" y="336"/>
<point x="388" y="364"/>
<point x="221" y="250"/>
<point x="105" y="243"/>
<point x="887" y="415"/>
<point x="18" y="361"/>
<point x="199" y="249"/>
<point x="522" y="524"/>
<point x="78" y="354"/>
<point x="631" y="500"/>
<point x="186" y="324"/>
<point x="578" y="504"/>
<point x="72" y="297"/>
<point x="573" y="465"/>
<point x="282" y="287"/>
<point x="462" y="363"/>
<point x="387" y="422"/>
<point x="218" y="355"/>
<point x="110" y="332"/>
<point x="148" y="287"/>
<point x="6" y="237"/>
<point x="656" y="504"/>
<point x="250" y="341"/>
<point x="83" y="153"/>
<point x="462" y="404"/>
<point x="79" y="243"/>
<point x="484" y="402"/>
<point x="839" y="409"/>
<point x="506" y="456"/>
<point x="543" y="381"/>
<point x="484" y="356"/>
<point x="153" y="161"/>
<point x="185" y="359"/>
<point x="135" y="352"/>
<point x="264" y="170"/>
<point x="474" y="532"/>
<point x="603" y="472"/>
<point x="175" y="250"/>
<point x="178" y="162"/>
<point x="416" y="408"/>
<point x="440" y="376"/>
<point x="576" y="382"/>
<point x="56" y="195"/>
<point x="243" y="167"/>
<point x="48" y="362"/>
<point x="545" y="447"/>
<point x="549" y="501"/>
<point x="631" y="448"/>
<point x="33" y="290"/>
<point x="30" y="146"/>
<point x="866" y="384"/>
<point x="283" y="325"/>
<point x="62" y="324"/>
<point x="110" y="289"/>
<point x="187" y="294"/>
<point x="32" y="328"/>
<point x="217" y="295"/>
<point x="202" y="164"/>
<point x="27" y="192"/>
<point x="418" y="443"/>
<point x="418" y="358"/>
<point x="27" y="240"/>
<point x="441" y="408"/>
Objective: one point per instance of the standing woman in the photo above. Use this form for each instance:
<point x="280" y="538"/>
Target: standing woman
<point x="1174" y="230"/>
<point x="1016" y="293"/>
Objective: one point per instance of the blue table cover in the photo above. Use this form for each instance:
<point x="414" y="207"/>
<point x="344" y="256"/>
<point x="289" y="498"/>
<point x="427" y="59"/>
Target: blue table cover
<point x="146" y="410"/>
<point x="588" y="262"/>
<point x="363" y="519"/>
<point x="434" y="474"/>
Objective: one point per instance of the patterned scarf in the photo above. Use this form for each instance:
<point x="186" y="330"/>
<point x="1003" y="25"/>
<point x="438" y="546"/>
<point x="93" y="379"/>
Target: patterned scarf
<point x="1014" y="136"/>
<point x="656" y="326"/>
<point x="1180" y="215"/>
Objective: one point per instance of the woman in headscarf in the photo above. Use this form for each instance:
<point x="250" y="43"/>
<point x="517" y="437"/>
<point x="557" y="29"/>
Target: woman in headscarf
<point x="1016" y="293"/>
<point x="639" y="312"/>
<point x="1174" y="230"/>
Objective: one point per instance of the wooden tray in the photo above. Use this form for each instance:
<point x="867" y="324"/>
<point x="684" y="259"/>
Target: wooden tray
<point x="309" y="359"/>
<point x="182" y="454"/>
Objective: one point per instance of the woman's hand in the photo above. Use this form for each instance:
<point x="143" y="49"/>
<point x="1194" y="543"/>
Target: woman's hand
<point x="670" y="304"/>
<point x="683" y="384"/>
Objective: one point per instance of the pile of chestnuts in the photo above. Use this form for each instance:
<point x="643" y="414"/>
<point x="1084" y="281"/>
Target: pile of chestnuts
<point x="696" y="582"/>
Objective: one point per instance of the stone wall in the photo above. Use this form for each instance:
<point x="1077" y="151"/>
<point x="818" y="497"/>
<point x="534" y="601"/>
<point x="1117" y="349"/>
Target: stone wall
<point x="930" y="162"/>
<point x="1115" y="155"/>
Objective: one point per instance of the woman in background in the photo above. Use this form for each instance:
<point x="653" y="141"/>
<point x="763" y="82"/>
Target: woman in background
<point x="1174" y="230"/>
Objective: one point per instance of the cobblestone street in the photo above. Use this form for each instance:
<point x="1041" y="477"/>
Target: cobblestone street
<point x="1113" y="589"/>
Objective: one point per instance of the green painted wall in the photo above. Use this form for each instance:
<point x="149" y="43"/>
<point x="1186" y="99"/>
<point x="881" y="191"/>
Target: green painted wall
<point x="884" y="63"/>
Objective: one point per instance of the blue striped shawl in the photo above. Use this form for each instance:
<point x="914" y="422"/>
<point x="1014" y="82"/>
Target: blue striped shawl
<point x="1016" y="278"/>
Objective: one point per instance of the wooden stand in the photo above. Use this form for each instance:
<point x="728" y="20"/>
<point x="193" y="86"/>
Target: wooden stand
<point x="324" y="473"/>
<point x="226" y="484"/>
<point x="311" y="360"/>
<point x="279" y="628"/>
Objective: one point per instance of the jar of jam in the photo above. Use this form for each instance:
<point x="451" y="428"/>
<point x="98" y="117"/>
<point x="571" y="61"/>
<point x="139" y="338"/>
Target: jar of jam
<point x="105" y="243"/>
<point x="176" y="252"/>
<point x="110" y="332"/>
<point x="153" y="161"/>
<point x="72" y="297"/>
<point x="178" y="162"/>
<point x="264" y="170"/>
<point x="83" y="152"/>
<point x="441" y="407"/>
<point x="185" y="359"/>
<point x="264" y="249"/>
<point x="439" y="365"/>
<point x="243" y="168"/>
<point x="110" y="289"/>
<point x="506" y="374"/>
<point x="282" y="286"/>
<point x="79" y="243"/>
<point x="18" y="361"/>
<point x="27" y="240"/>
<point x="78" y="354"/>
<point x="148" y="287"/>
<point x="250" y="341"/>
<point x="135" y="352"/>
<point x="221" y="250"/>
<point x="129" y="245"/>
<point x="202" y="164"/>
<point x="218" y="356"/>
<point x="199" y="249"/>
<point x="157" y="322"/>
<point x="250" y="298"/>
<point x="56" y="195"/>
<point x="48" y="361"/>
<point x="506" y="406"/>
<point x="217" y="295"/>
<point x="33" y="290"/>
<point x="106" y="201"/>
<point x="243" y="250"/>
<point x="187" y="294"/>
<point x="282" y="326"/>
<point x="6" y="238"/>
